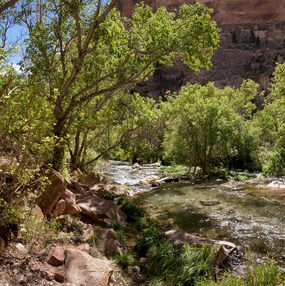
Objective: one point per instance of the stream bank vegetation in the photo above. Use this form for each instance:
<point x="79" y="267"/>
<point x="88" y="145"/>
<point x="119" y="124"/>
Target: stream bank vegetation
<point x="70" y="106"/>
<point x="164" y="264"/>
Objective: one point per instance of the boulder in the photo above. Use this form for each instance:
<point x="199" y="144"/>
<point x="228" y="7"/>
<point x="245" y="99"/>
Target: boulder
<point x="54" y="189"/>
<point x="83" y="269"/>
<point x="150" y="180"/>
<point x="179" y="238"/>
<point x="226" y="252"/>
<point x="136" y="166"/>
<point x="116" y="189"/>
<point x="59" y="275"/>
<point x="93" y="179"/>
<point x="70" y="200"/>
<point x="101" y="211"/>
<point x="112" y="244"/>
<point x="59" y="208"/>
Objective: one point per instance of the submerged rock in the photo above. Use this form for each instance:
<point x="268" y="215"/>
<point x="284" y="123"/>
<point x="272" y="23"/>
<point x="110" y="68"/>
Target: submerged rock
<point x="210" y="202"/>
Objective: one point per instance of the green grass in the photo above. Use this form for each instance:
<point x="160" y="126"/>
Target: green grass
<point x="125" y="260"/>
<point x="172" y="266"/>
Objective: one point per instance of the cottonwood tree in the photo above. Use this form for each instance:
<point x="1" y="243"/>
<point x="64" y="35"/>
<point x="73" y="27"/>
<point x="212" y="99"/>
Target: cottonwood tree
<point x="208" y="126"/>
<point x="81" y="53"/>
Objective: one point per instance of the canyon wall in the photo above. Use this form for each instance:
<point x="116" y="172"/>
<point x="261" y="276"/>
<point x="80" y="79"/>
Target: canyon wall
<point x="252" y="40"/>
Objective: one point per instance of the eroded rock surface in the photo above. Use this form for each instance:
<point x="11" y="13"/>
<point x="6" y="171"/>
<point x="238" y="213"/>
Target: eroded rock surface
<point x="83" y="269"/>
<point x="251" y="42"/>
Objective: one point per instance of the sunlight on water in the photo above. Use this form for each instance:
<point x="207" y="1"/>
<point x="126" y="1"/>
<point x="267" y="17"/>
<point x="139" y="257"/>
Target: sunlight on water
<point x="247" y="218"/>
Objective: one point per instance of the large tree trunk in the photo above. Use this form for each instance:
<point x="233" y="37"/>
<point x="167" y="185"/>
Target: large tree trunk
<point x="58" y="158"/>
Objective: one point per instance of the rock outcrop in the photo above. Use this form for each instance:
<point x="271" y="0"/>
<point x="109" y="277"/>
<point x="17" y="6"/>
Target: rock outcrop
<point x="251" y="42"/>
<point x="83" y="269"/>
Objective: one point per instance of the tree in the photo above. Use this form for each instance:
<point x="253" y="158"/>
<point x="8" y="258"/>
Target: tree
<point x="206" y="129"/>
<point x="270" y="126"/>
<point x="6" y="5"/>
<point x="125" y="122"/>
<point x="83" y="51"/>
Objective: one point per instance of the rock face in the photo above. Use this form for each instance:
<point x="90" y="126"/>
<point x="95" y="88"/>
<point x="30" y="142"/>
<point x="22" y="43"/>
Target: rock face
<point x="251" y="42"/>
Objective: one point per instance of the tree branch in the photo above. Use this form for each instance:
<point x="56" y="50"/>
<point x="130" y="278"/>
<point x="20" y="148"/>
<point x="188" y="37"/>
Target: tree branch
<point x="7" y="5"/>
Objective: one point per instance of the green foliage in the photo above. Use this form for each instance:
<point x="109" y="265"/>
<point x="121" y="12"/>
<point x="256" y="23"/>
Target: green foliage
<point x="267" y="273"/>
<point x="129" y="207"/>
<point x="179" y="266"/>
<point x="119" y="231"/>
<point x="269" y="125"/>
<point x="10" y="214"/>
<point x="143" y="222"/>
<point x="84" y="55"/>
<point x="148" y="238"/>
<point x="125" y="260"/>
<point x="35" y="230"/>
<point x="264" y="274"/>
<point x="208" y="127"/>
<point x="177" y="169"/>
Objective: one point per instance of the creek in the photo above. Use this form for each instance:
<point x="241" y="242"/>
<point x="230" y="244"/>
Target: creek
<point x="248" y="215"/>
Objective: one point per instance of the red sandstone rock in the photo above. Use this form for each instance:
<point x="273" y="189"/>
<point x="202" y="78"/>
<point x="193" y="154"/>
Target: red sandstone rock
<point x="83" y="269"/>
<point x="56" y="256"/>
<point x="70" y="200"/>
<point x="59" y="275"/>
<point x="225" y="11"/>
<point x="47" y="274"/>
<point x="100" y="210"/>
<point x="54" y="189"/>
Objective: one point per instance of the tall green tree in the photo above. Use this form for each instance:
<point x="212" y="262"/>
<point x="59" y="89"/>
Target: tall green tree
<point x="269" y="124"/>
<point x="81" y="51"/>
<point x="208" y="126"/>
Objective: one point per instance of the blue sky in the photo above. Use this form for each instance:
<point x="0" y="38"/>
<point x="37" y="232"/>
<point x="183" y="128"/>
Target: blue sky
<point x="16" y="36"/>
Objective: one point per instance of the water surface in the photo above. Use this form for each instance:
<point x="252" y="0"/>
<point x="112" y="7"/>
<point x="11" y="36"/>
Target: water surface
<point x="250" y="217"/>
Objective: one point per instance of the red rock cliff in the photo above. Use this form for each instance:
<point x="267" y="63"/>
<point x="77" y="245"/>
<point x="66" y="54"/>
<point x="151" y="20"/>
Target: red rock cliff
<point x="252" y="41"/>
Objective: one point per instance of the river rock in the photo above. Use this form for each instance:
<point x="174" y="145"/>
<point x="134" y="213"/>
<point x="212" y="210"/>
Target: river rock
<point x="82" y="269"/>
<point x="210" y="202"/>
<point x="94" y="178"/>
<point x="276" y="185"/>
<point x="116" y="189"/>
<point x="168" y="180"/>
<point x="150" y="180"/>
<point x="179" y="238"/>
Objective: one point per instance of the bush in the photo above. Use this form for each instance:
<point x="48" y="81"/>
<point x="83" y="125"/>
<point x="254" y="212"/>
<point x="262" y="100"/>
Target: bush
<point x="149" y="237"/>
<point x="129" y="207"/>
<point x="125" y="260"/>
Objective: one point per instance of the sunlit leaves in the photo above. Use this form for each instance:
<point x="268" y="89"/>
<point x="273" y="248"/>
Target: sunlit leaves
<point x="207" y="130"/>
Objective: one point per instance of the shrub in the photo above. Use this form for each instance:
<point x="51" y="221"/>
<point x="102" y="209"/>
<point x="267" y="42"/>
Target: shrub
<point x="148" y="238"/>
<point x="129" y="208"/>
<point x="125" y="260"/>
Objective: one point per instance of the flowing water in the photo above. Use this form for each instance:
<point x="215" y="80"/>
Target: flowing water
<point x="249" y="216"/>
